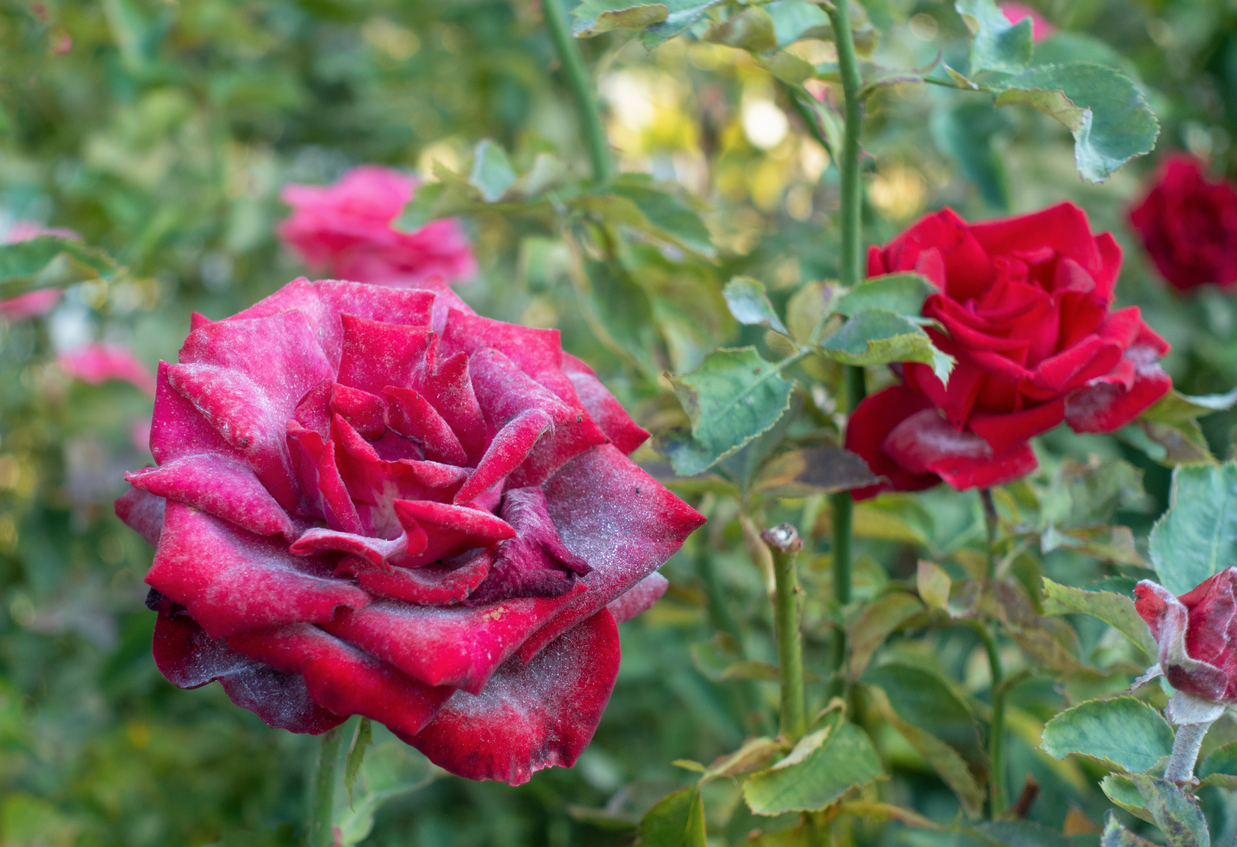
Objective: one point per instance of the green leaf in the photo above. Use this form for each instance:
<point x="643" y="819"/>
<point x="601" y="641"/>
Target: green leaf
<point x="593" y="17"/>
<point x="1197" y="537"/>
<point x="1014" y="834"/>
<point x="50" y="262"/>
<point x="1113" y="609"/>
<point x="1115" y="835"/>
<point x="681" y="15"/>
<point x="665" y="215"/>
<point x="925" y="698"/>
<point x="902" y="293"/>
<point x="878" y="620"/>
<point x="1176" y="407"/>
<point x="356" y="754"/>
<point x="942" y="758"/>
<point x="1219" y="768"/>
<point x="813" y="777"/>
<point x="1171" y="444"/>
<point x="997" y="45"/>
<point x="1175" y="812"/>
<point x="1103" y="109"/>
<point x="750" y="304"/>
<point x="807" y="307"/>
<point x="880" y="337"/>
<point x="390" y="769"/>
<point x="796" y="19"/>
<point x="1122" y="732"/>
<point x="492" y="173"/>
<point x="933" y="584"/>
<point x="751" y="30"/>
<point x="676" y="820"/>
<point x="730" y="399"/>
<point x="1124" y="794"/>
<point x="789" y="68"/>
<point x="754" y="753"/>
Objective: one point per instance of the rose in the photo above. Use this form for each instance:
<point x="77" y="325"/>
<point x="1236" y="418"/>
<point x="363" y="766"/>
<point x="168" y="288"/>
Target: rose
<point x="1188" y="225"/>
<point x="346" y="229"/>
<point x="1196" y="635"/>
<point x="1024" y="305"/>
<point x="34" y="303"/>
<point x="98" y="363"/>
<point x="1041" y="28"/>
<point x="373" y="501"/>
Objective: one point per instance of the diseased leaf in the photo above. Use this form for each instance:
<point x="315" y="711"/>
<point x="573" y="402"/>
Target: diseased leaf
<point x="677" y="820"/>
<point x="933" y="584"/>
<point x="844" y="759"/>
<point x="730" y="399"/>
<point x="755" y="753"/>
<point x="593" y="17"/>
<point x="1115" y="835"/>
<point x="1175" y="407"/>
<point x="492" y="173"/>
<point x="1103" y="109"/>
<point x="750" y="304"/>
<point x="814" y="470"/>
<point x="881" y="337"/>
<point x="751" y="30"/>
<point x="681" y="15"/>
<point x="1118" y="788"/>
<point x="1197" y="537"/>
<point x="902" y="293"/>
<point x="788" y="67"/>
<point x="1116" y="610"/>
<point x="1176" y="813"/>
<point x="808" y="307"/>
<point x="997" y="45"/>
<point x="1121" y="732"/>
<point x="1171" y="444"/>
<point x="878" y="620"/>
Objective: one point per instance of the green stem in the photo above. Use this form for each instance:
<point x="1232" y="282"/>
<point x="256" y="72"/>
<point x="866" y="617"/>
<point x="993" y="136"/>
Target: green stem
<point x="991" y="526"/>
<point x="997" y="800"/>
<point x="322" y="790"/>
<point x="582" y="87"/>
<point x="848" y="165"/>
<point x="785" y="544"/>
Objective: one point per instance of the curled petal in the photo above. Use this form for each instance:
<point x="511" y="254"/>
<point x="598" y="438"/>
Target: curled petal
<point x="927" y="443"/>
<point x="440" y="584"/>
<point x="869" y="426"/>
<point x="624" y="433"/>
<point x="530" y="716"/>
<point x="1171" y="619"/>
<point x="375" y="551"/>
<point x="506" y="452"/>
<point x="142" y="512"/>
<point x="190" y="658"/>
<point x="638" y="599"/>
<point x="231" y="580"/>
<point x="412" y="414"/>
<point x="1106" y="406"/>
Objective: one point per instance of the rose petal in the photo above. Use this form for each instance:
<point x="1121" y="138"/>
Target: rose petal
<point x="440" y="584"/>
<point x="1184" y="672"/>
<point x="532" y="716"/>
<point x="927" y="443"/>
<point x="231" y="580"/>
<point x="870" y="424"/>
<point x="638" y="599"/>
<point x="142" y="512"/>
<point x="377" y="354"/>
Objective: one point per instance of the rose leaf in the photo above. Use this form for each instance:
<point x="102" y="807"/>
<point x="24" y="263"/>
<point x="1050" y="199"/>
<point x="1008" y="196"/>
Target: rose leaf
<point x="902" y="293"/>
<point x="750" y="304"/>
<point x="880" y="337"/>
<point x="1197" y="537"/>
<point x="997" y="44"/>
<point x="816" y="773"/>
<point x="1115" y="835"/>
<point x="1121" y="732"/>
<point x="50" y="261"/>
<point x="1175" y="812"/>
<point x="1113" y="609"/>
<point x="593" y="17"/>
<point x="677" y="820"/>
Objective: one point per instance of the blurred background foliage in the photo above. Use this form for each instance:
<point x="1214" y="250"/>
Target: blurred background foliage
<point x="162" y="131"/>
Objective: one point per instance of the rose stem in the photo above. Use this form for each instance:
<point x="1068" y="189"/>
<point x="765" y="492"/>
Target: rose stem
<point x="1186" y="744"/>
<point x="581" y="87"/>
<point x="996" y="729"/>
<point x="785" y="544"/>
<point x="322" y="790"/>
<point x="841" y="504"/>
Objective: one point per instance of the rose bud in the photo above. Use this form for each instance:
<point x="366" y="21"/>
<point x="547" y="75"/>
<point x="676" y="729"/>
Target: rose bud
<point x="1196" y="635"/>
<point x="346" y="229"/>
<point x="373" y="501"/>
<point x="1025" y="305"/>
<point x="1188" y="225"/>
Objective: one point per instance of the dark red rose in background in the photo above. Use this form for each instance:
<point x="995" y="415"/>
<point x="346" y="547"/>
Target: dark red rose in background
<point x="1196" y="634"/>
<point x="347" y="230"/>
<point x="1188" y="224"/>
<point x="1025" y="303"/>
<point x="373" y="501"/>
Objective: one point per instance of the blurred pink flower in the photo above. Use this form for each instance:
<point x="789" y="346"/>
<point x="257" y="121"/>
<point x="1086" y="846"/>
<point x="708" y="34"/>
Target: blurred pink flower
<point x="98" y="363"/>
<point x="1040" y="27"/>
<point x="346" y="229"/>
<point x="139" y="432"/>
<point x="34" y="303"/>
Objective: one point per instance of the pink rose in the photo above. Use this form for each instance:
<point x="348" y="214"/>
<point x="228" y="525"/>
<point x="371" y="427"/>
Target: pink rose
<point x="1040" y="27"/>
<point x="373" y="501"/>
<point x="346" y="230"/>
<point x="1196" y="634"/>
<point x="35" y="303"/>
<point x="96" y="364"/>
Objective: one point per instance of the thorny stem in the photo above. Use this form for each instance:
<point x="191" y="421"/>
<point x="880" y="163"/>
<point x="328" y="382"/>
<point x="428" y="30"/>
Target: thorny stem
<point x="785" y="544"/>
<point x="991" y="526"/>
<point x="322" y="790"/>
<point x="581" y="87"/>
<point x="997" y="800"/>
<point x="1186" y="744"/>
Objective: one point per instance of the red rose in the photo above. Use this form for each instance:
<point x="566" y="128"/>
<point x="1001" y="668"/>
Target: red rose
<point x="1196" y="634"/>
<point x="1025" y="305"/>
<point x="346" y="229"/>
<point x="1188" y="224"/>
<point x="373" y="501"/>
